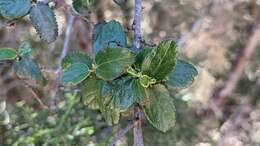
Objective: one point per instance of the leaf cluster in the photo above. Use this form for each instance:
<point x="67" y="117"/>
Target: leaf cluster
<point x="116" y="78"/>
<point x="41" y="15"/>
<point x="22" y="62"/>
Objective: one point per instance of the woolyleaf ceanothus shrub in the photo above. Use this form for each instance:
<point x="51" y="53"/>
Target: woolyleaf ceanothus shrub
<point x="118" y="78"/>
<point x="41" y="15"/>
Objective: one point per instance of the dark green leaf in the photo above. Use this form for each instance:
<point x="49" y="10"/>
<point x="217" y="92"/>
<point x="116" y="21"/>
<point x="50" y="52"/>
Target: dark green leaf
<point x="75" y="74"/>
<point x="161" y="61"/>
<point x="76" y="57"/>
<point x="141" y="56"/>
<point x="28" y="69"/>
<point x="25" y="49"/>
<point x="183" y="75"/>
<point x="108" y="35"/>
<point x="44" y="21"/>
<point x="122" y="94"/>
<point x="13" y="9"/>
<point x="82" y="6"/>
<point x="160" y="110"/>
<point x="126" y="91"/>
<point x="138" y="91"/>
<point x="7" y="54"/>
<point x="112" y="62"/>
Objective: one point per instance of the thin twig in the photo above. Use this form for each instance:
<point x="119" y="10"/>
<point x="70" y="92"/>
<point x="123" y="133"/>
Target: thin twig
<point x="35" y="96"/>
<point x="137" y="25"/>
<point x="65" y="48"/>
<point x="138" y="136"/>
<point x="120" y="134"/>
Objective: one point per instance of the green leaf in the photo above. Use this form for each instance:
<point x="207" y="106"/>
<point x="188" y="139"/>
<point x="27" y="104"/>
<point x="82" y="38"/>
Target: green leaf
<point x="13" y="9"/>
<point x="138" y="91"/>
<point x="183" y="75"/>
<point x="160" y="110"/>
<point x="108" y="35"/>
<point x="122" y="94"/>
<point x="141" y="56"/>
<point x="97" y="94"/>
<point x="74" y="74"/>
<point x="146" y="81"/>
<point x="25" y="49"/>
<point x="111" y="114"/>
<point x="126" y="91"/>
<point x="29" y="69"/>
<point x="91" y="91"/>
<point x="82" y="6"/>
<point x="44" y="21"/>
<point x="112" y="62"/>
<point x="7" y="54"/>
<point x="76" y="57"/>
<point x="161" y="61"/>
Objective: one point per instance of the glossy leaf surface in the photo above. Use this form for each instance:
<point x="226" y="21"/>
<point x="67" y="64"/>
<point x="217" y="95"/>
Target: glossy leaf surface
<point x="161" y="61"/>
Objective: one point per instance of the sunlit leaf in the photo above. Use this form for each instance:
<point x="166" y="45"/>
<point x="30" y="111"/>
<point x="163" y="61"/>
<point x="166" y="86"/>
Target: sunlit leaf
<point x="7" y="54"/>
<point x="161" y="61"/>
<point x="44" y="21"/>
<point x="13" y="9"/>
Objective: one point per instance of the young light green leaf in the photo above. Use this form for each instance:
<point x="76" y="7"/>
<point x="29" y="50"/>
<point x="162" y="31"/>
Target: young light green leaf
<point x="161" y="61"/>
<point x="112" y="62"/>
<point x="74" y="74"/>
<point x="183" y="75"/>
<point x="160" y="110"/>
<point x="13" y="9"/>
<point x="7" y="54"/>
<point x="108" y="35"/>
<point x="25" y="49"/>
<point x="29" y="69"/>
<point x="44" y="21"/>
<point x="76" y="57"/>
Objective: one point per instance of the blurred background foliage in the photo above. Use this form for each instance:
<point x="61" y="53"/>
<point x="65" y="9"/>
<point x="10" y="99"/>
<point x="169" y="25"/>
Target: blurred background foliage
<point x="211" y="34"/>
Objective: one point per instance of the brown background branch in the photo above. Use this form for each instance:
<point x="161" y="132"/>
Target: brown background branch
<point x="238" y="68"/>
